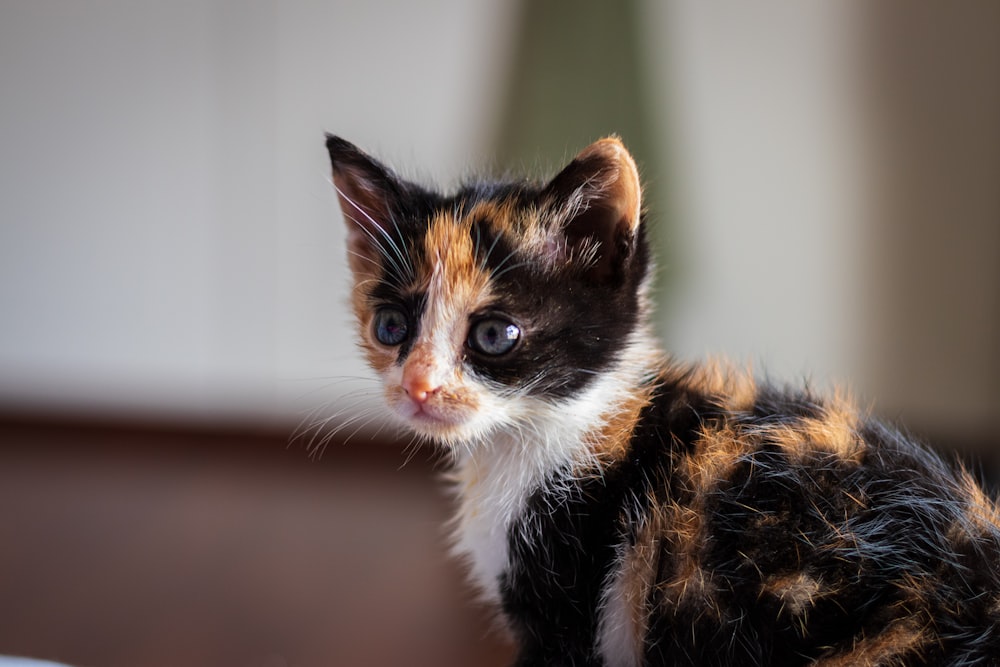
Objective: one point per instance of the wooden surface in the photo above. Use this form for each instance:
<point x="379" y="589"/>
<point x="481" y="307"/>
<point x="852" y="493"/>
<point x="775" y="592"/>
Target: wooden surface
<point x="147" y="545"/>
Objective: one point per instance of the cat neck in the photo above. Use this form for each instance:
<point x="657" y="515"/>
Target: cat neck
<point x="494" y="478"/>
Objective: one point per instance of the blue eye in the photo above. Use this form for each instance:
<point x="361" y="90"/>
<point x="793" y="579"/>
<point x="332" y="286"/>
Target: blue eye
<point x="493" y="336"/>
<point x="391" y="326"/>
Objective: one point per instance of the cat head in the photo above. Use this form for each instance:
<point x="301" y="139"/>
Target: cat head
<point x="491" y="307"/>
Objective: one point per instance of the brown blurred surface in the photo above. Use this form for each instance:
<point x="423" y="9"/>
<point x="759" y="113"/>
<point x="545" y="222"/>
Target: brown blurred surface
<point x="155" y="544"/>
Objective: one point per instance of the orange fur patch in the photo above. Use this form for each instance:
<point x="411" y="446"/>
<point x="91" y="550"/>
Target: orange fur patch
<point x="637" y="573"/>
<point x="982" y="509"/>
<point x="717" y="451"/>
<point x="690" y="583"/>
<point x="625" y="189"/>
<point x="733" y="387"/>
<point x="612" y="441"/>
<point x="449" y="257"/>
<point x="835" y="432"/>
<point x="798" y="592"/>
<point x="902" y="639"/>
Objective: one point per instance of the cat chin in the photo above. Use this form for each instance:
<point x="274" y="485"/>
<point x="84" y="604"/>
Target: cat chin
<point x="444" y="430"/>
<point x="464" y="434"/>
<point x="449" y="425"/>
<point x="442" y="433"/>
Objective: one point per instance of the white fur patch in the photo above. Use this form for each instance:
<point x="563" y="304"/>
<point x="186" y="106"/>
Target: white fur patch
<point x="494" y="480"/>
<point x="495" y="477"/>
<point x="616" y="636"/>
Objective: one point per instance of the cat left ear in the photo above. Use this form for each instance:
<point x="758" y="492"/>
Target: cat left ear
<point x="597" y="200"/>
<point x="369" y="194"/>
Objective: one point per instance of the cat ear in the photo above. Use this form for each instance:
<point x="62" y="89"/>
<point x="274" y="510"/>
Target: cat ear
<point x="369" y="195"/>
<point x="597" y="202"/>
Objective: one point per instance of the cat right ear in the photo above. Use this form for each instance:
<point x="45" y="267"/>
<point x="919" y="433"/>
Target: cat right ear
<point x="596" y="204"/>
<point x="369" y="195"/>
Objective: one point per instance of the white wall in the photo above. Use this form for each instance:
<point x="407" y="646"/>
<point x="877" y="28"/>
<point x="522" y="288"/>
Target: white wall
<point x="170" y="242"/>
<point x="761" y="99"/>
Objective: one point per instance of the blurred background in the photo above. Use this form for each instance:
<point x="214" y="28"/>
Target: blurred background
<point x="824" y="181"/>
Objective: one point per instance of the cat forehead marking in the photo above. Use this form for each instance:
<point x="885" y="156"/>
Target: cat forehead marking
<point x="455" y="285"/>
<point x="450" y="268"/>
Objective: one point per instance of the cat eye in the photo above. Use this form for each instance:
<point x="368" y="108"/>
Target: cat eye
<point x="493" y="336"/>
<point x="391" y="327"/>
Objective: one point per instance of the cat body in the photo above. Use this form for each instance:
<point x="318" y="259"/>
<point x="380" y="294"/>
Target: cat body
<point x="618" y="508"/>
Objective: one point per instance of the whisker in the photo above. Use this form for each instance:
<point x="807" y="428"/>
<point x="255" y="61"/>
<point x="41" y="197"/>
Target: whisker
<point x="398" y="263"/>
<point x="410" y="450"/>
<point x="496" y="239"/>
<point x="317" y="449"/>
<point x="364" y="424"/>
<point x="475" y="246"/>
<point x="313" y="427"/>
<point x="497" y="274"/>
<point x="400" y="255"/>
<point x="405" y="257"/>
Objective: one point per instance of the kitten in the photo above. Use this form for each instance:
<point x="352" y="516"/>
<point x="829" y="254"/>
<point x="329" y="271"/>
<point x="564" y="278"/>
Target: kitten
<point x="622" y="509"/>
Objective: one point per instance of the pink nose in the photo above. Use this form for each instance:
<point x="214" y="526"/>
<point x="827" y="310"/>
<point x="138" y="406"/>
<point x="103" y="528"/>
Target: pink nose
<point x="418" y="388"/>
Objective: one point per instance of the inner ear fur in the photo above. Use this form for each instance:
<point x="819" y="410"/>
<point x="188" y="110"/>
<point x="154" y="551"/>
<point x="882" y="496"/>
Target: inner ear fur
<point x="369" y="194"/>
<point x="596" y="199"/>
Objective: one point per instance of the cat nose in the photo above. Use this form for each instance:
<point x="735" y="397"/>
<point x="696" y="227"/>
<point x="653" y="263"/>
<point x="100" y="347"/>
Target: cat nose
<point x="419" y="387"/>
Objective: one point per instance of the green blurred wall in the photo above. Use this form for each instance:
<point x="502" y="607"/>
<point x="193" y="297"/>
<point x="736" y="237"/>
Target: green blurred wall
<point x="579" y="74"/>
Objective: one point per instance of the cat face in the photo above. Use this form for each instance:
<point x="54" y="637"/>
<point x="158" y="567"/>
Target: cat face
<point x="488" y="308"/>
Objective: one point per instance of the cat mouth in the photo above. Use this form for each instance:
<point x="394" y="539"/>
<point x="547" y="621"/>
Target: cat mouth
<point x="430" y="420"/>
<point x="427" y="414"/>
<point x="445" y="416"/>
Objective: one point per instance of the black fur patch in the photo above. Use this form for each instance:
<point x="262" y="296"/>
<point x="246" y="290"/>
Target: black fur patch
<point x="863" y="532"/>
<point x="552" y="590"/>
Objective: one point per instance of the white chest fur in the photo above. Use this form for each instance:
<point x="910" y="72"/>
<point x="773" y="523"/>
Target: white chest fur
<point x="495" y="478"/>
<point x="493" y="485"/>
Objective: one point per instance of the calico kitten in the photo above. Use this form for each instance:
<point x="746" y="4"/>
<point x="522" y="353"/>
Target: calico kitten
<point x="621" y="509"/>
